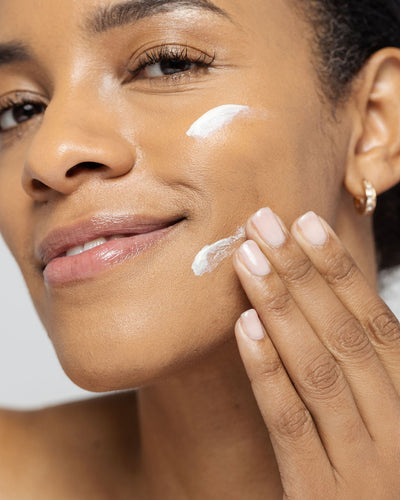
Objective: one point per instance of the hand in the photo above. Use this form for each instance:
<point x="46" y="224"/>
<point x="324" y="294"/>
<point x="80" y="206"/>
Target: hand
<point x="326" y="372"/>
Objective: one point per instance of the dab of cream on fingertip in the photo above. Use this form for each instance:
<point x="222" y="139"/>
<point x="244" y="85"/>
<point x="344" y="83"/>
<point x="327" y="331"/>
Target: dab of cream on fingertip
<point x="211" y="256"/>
<point x="215" y="119"/>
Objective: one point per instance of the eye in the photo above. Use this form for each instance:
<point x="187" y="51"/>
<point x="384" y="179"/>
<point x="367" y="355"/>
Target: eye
<point x="16" y="113"/>
<point x="170" y="62"/>
<point x="167" y="67"/>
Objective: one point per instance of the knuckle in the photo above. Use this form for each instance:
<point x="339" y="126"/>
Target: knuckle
<point x="349" y="338"/>
<point x="269" y="368"/>
<point x="294" y="422"/>
<point x="383" y="327"/>
<point x="339" y="269"/>
<point x="323" y="376"/>
<point x="297" y="270"/>
<point x="280" y="303"/>
<point x="354" y="434"/>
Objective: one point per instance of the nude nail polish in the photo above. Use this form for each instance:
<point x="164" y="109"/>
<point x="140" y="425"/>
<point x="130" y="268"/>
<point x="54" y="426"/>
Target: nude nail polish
<point x="251" y="325"/>
<point x="253" y="258"/>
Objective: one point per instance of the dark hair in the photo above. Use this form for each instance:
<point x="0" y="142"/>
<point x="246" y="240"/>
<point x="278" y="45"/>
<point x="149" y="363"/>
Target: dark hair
<point x="347" y="33"/>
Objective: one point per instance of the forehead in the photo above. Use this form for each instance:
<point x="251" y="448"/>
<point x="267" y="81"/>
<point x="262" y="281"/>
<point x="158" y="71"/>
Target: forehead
<point x="31" y="17"/>
<point x="17" y="14"/>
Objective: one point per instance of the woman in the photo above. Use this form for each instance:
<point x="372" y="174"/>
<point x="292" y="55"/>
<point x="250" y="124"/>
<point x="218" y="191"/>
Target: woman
<point x="265" y="364"/>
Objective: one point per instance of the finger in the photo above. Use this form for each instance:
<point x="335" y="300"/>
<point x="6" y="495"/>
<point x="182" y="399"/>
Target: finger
<point x="314" y="372"/>
<point x="339" y="330"/>
<point x="360" y="298"/>
<point x="294" y="437"/>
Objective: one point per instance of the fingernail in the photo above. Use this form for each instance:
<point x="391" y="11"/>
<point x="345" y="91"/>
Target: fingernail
<point x="310" y="225"/>
<point x="251" y="325"/>
<point x="253" y="258"/>
<point x="269" y="227"/>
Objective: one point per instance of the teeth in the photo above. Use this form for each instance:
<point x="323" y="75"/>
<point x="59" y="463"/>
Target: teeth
<point x="74" y="251"/>
<point x="90" y="244"/>
<point x="116" y="237"/>
<point x="94" y="243"/>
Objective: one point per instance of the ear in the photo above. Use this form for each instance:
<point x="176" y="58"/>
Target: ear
<point x="374" y="152"/>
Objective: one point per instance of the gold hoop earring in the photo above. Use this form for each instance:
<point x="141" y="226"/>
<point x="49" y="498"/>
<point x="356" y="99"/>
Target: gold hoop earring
<point x="367" y="204"/>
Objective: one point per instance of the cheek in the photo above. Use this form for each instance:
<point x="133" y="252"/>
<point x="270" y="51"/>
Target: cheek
<point x="218" y="163"/>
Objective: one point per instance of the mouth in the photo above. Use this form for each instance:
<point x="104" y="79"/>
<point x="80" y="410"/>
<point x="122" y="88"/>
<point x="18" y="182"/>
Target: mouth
<point x="82" y="251"/>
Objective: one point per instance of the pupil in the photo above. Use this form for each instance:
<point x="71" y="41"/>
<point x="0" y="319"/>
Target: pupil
<point x="171" y="66"/>
<point x="25" y="112"/>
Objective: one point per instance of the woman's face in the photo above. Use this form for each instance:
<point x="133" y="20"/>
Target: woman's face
<point x="113" y="143"/>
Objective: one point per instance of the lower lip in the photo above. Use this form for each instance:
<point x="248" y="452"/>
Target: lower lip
<point x="90" y="263"/>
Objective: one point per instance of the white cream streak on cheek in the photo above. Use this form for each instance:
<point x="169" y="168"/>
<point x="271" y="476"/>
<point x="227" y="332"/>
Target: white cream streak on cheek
<point x="215" y="119"/>
<point x="211" y="256"/>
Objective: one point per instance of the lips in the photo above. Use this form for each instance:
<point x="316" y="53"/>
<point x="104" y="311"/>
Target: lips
<point x="60" y="240"/>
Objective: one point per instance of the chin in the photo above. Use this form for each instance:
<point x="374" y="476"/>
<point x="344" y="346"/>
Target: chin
<point x="115" y="366"/>
<point x="129" y="354"/>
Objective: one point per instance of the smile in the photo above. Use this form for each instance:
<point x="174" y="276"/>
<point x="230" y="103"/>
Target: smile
<point x="80" y="253"/>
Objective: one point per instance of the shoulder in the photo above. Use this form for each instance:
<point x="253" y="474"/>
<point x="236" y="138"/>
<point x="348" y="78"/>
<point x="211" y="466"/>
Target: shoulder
<point x="55" y="446"/>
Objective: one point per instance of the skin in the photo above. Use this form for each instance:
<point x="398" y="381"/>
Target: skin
<point x="203" y="422"/>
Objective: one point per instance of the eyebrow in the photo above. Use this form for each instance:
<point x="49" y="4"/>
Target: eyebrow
<point x="121" y="14"/>
<point x="106" y="18"/>
<point x="14" y="51"/>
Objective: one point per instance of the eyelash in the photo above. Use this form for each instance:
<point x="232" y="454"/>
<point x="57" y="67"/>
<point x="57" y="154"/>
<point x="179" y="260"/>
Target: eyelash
<point x="175" y="55"/>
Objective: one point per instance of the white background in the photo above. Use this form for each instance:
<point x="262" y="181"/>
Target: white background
<point x="30" y="374"/>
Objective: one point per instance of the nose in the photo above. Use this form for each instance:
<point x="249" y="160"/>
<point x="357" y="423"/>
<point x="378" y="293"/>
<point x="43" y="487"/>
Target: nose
<point x="70" y="148"/>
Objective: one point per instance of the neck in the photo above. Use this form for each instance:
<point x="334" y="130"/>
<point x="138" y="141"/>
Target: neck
<point x="202" y="434"/>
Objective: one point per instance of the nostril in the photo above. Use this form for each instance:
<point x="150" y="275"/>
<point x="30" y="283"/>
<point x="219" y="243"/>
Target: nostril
<point x="83" y="166"/>
<point x="38" y="185"/>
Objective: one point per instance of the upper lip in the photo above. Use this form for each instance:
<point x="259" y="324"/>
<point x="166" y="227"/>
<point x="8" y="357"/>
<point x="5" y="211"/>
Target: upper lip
<point x="61" y="239"/>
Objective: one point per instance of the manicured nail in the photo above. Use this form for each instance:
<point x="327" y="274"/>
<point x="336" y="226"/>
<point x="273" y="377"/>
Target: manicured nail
<point x="269" y="227"/>
<point x="310" y="225"/>
<point x="253" y="258"/>
<point x="251" y="325"/>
